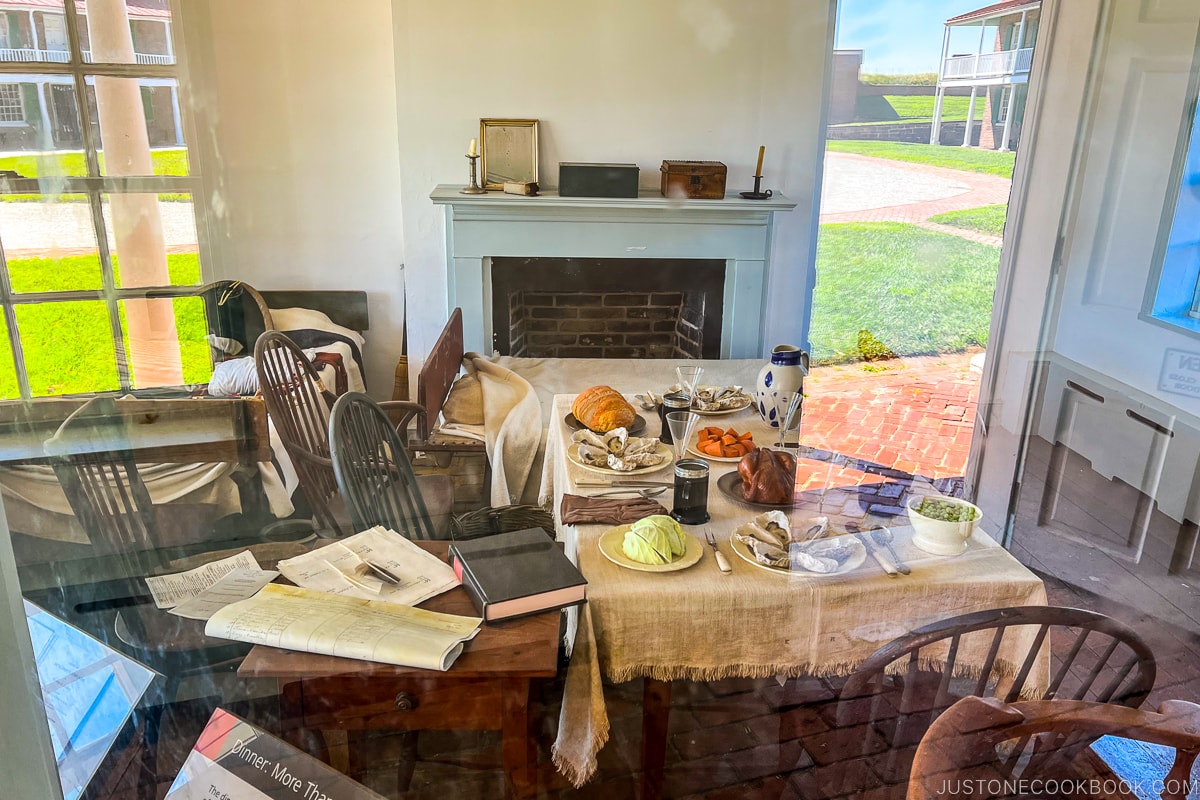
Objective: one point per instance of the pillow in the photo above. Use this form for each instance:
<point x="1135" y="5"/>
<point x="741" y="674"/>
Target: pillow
<point x="294" y="319"/>
<point x="464" y="402"/>
<point x="234" y="377"/>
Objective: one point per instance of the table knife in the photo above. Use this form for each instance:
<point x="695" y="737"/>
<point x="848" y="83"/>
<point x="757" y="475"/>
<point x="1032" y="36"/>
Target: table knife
<point x="623" y="483"/>
<point x="891" y="571"/>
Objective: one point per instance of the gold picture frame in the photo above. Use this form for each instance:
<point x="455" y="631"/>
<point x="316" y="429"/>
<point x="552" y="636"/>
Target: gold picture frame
<point x="508" y="151"/>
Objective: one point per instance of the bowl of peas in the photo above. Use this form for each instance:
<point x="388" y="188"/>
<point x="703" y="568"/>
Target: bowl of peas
<point x="942" y="525"/>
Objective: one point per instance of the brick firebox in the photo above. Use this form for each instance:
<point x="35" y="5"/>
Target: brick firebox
<point x="607" y="308"/>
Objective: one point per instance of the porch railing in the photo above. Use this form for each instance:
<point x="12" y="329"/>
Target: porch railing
<point x="988" y="65"/>
<point x="32" y="55"/>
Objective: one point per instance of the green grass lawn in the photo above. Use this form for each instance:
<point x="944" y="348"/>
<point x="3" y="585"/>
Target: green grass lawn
<point x="917" y="291"/>
<point x="69" y="346"/>
<point x="971" y="159"/>
<point x="876" y="109"/>
<point x="985" y="219"/>
<point x="72" y="164"/>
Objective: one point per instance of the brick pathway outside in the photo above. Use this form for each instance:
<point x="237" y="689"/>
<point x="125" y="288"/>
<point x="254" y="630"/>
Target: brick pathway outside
<point x="900" y="419"/>
<point x="982" y="190"/>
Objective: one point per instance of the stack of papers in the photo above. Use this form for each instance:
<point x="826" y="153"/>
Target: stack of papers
<point x="340" y="568"/>
<point x="292" y="618"/>
<point x="201" y="592"/>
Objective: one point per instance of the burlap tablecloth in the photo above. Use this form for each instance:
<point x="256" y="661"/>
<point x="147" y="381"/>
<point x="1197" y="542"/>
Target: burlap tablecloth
<point x="700" y="624"/>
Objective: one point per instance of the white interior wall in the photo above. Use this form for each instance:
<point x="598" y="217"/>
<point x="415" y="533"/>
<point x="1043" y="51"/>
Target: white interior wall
<point x="1128" y="149"/>
<point x="298" y="110"/>
<point x="616" y="80"/>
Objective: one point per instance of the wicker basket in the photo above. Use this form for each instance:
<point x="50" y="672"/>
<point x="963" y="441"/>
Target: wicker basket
<point x="489" y="521"/>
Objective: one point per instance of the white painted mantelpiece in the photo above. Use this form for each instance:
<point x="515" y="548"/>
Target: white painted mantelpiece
<point x="737" y="231"/>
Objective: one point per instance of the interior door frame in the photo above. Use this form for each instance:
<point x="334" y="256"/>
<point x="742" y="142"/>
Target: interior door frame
<point x="1057" y="111"/>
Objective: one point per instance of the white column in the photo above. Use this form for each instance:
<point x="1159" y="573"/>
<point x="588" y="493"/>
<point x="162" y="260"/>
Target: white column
<point x="33" y="31"/>
<point x="44" y="99"/>
<point x="979" y="50"/>
<point x="1008" y="117"/>
<point x="137" y="221"/>
<point x="970" y="117"/>
<point x="176" y="116"/>
<point x="935" y="131"/>
<point x="170" y="44"/>
<point x="1012" y="89"/>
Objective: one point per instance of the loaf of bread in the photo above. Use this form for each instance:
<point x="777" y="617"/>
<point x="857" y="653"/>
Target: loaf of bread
<point x="603" y="409"/>
<point x="768" y="476"/>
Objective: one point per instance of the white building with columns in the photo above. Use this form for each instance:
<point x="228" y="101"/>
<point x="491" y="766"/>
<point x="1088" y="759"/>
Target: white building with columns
<point x="989" y="50"/>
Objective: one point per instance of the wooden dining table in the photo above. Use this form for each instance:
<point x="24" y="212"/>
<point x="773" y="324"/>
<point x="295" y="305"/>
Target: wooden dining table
<point x="701" y="624"/>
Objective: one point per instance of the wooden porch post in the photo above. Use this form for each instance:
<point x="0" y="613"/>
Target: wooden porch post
<point x="970" y="117"/>
<point x="1012" y="88"/>
<point x="935" y="130"/>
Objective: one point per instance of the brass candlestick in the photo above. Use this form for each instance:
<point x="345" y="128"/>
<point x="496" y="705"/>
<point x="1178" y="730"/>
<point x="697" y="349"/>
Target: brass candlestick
<point x="474" y="188"/>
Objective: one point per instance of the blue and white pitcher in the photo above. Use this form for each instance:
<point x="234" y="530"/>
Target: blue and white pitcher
<point x="778" y="381"/>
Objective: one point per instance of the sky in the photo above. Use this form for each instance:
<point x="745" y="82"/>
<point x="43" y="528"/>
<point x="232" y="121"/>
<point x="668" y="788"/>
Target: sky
<point x="901" y="36"/>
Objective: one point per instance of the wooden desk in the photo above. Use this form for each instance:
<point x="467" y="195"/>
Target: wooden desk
<point x="486" y="689"/>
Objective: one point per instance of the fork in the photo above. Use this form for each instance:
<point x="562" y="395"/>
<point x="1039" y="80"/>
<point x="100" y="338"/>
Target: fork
<point x="722" y="561"/>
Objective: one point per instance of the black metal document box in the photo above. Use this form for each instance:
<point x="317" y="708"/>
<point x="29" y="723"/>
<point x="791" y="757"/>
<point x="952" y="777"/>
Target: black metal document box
<point x="578" y="179"/>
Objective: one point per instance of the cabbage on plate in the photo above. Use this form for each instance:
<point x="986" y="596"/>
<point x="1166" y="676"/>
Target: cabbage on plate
<point x="657" y="539"/>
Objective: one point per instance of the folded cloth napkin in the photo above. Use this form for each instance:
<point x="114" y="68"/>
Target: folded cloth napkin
<point x="579" y="510"/>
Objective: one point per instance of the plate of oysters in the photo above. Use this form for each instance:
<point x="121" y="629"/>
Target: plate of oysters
<point x="617" y="451"/>
<point x="769" y="542"/>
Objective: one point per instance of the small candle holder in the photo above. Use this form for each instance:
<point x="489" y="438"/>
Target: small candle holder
<point x="757" y="194"/>
<point x="474" y="188"/>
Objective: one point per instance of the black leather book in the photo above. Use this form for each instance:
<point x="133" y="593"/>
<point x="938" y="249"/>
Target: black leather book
<point x="517" y="573"/>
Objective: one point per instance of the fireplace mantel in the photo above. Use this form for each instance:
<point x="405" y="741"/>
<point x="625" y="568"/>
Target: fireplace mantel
<point x="738" y="231"/>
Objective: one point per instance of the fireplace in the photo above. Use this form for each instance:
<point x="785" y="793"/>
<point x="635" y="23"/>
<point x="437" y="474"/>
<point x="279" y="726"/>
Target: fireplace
<point x="607" y="307"/>
<point x="647" y="254"/>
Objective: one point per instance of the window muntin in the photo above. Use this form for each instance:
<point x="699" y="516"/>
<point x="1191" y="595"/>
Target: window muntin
<point x="11" y="107"/>
<point x="107" y="179"/>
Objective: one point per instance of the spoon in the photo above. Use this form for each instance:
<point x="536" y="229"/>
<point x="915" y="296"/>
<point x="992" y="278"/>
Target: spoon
<point x="884" y="537"/>
<point x="646" y="401"/>
<point x="648" y="491"/>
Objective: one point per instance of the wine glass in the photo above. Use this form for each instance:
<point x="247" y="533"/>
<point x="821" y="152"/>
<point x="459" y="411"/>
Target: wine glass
<point x="789" y="414"/>
<point x="683" y="425"/>
<point x="689" y="376"/>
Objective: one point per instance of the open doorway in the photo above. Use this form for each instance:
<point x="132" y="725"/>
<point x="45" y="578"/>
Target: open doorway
<point x="925" y="119"/>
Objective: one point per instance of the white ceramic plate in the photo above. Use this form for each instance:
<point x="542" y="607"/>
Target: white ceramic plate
<point x="661" y="449"/>
<point x="610" y="545"/>
<point x="692" y="448"/>
<point x="742" y="405"/>
<point x="855" y="560"/>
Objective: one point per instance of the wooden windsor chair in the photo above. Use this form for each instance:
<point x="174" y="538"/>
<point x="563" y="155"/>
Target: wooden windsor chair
<point x="903" y="687"/>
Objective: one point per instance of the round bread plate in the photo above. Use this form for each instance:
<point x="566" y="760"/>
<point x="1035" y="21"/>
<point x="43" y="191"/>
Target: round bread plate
<point x="636" y="427"/>
<point x="743" y="403"/>
<point x="730" y="485"/>
<point x="661" y="449"/>
<point x="692" y="449"/>
<point x="612" y="540"/>
<point x="856" y="559"/>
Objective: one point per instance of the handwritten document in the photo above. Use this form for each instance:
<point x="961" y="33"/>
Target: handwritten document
<point x="237" y="585"/>
<point x="340" y="568"/>
<point x="171" y="590"/>
<point x="293" y="618"/>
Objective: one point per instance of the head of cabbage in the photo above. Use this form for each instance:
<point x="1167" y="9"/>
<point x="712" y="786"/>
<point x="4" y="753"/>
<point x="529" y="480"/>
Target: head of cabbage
<point x="657" y="539"/>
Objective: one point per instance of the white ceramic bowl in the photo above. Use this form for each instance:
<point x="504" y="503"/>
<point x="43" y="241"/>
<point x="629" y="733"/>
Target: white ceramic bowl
<point x="939" y="536"/>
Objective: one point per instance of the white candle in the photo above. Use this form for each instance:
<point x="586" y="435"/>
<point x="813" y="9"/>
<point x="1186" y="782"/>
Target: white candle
<point x="473" y="149"/>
